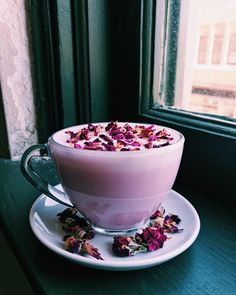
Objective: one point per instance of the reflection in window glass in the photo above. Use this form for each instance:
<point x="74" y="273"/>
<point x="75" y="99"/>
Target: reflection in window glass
<point x="206" y="59"/>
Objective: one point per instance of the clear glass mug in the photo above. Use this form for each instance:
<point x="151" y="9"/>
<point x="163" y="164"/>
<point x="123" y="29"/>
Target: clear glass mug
<point x="116" y="191"/>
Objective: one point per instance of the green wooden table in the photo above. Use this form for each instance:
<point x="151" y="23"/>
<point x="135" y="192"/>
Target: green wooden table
<point x="207" y="267"/>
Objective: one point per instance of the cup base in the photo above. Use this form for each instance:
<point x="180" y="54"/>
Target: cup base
<point x="119" y="232"/>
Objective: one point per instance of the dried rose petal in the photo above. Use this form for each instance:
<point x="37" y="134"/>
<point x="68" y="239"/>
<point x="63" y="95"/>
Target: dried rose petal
<point x="160" y="145"/>
<point x="94" y="145"/>
<point x="154" y="237"/>
<point x="78" y="246"/>
<point x="73" y="245"/>
<point x="124" y="246"/>
<point x="136" y="143"/>
<point x="148" y="145"/>
<point x="106" y="138"/>
<point x="80" y="232"/>
<point x="77" y="146"/>
<point x="128" y="127"/>
<point x="87" y="248"/>
<point x="111" y="125"/>
<point x="129" y="135"/>
<point x="109" y="147"/>
<point x="68" y="212"/>
<point x="120" y="136"/>
<point x="151" y="238"/>
<point x="120" y="250"/>
<point x="169" y="223"/>
<point x="158" y="213"/>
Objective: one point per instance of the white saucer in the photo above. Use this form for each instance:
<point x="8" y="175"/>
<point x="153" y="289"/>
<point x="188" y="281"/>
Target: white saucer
<point x="45" y="225"/>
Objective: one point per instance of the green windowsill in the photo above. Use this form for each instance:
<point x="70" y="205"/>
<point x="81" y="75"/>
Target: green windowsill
<point x="207" y="267"/>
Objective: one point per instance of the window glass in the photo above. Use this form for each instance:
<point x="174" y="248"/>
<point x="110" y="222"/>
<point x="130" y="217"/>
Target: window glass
<point x="205" y="70"/>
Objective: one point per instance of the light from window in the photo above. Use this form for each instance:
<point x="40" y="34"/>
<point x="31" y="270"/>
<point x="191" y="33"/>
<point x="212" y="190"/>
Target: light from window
<point x="205" y="80"/>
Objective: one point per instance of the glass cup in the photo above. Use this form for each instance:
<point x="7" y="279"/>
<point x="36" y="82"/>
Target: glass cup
<point x="116" y="191"/>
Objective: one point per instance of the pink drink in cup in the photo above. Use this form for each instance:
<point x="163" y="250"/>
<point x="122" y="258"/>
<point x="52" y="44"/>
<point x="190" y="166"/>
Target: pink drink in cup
<point x="117" y="189"/>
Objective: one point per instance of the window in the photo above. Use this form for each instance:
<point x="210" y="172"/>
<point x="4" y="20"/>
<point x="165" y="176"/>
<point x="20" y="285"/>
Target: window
<point x="204" y="59"/>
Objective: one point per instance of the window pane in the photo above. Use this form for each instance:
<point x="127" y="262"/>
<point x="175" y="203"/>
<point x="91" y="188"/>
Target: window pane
<point x="205" y="78"/>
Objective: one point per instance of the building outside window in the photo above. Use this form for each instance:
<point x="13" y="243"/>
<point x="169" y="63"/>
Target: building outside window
<point x="203" y="42"/>
<point x="206" y="59"/>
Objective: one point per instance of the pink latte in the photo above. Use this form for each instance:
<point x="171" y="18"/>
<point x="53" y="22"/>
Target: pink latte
<point x="117" y="189"/>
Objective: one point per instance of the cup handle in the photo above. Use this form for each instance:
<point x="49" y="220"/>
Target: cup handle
<point x="40" y="151"/>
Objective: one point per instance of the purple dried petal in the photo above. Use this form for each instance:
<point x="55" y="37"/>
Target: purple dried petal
<point x="158" y="213"/>
<point x="122" y="240"/>
<point x="119" y="246"/>
<point x="116" y="132"/>
<point x="119" y="136"/>
<point x="139" y="238"/>
<point x="128" y="127"/>
<point x="93" y="128"/>
<point x="136" y="143"/>
<point x="173" y="230"/>
<point x="122" y="142"/>
<point x="121" y="251"/>
<point x="169" y="223"/>
<point x="94" y="145"/>
<point x="85" y="134"/>
<point x="160" y="145"/>
<point x="154" y="237"/>
<point x="152" y="138"/>
<point x="67" y="213"/>
<point x="175" y="218"/>
<point x="109" y="147"/>
<point x="111" y="125"/>
<point x="129" y="135"/>
<point x="71" y="133"/>
<point x="106" y="138"/>
<point x="77" y="146"/>
<point x="93" y="148"/>
<point x="148" y="145"/>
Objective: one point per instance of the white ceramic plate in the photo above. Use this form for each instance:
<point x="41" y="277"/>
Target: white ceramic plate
<point x="45" y="225"/>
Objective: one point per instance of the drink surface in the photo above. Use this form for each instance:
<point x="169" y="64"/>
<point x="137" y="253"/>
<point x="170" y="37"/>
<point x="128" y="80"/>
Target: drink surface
<point x="116" y="136"/>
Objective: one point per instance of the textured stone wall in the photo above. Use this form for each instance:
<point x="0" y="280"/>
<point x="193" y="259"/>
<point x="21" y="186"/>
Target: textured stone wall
<point x="15" y="77"/>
